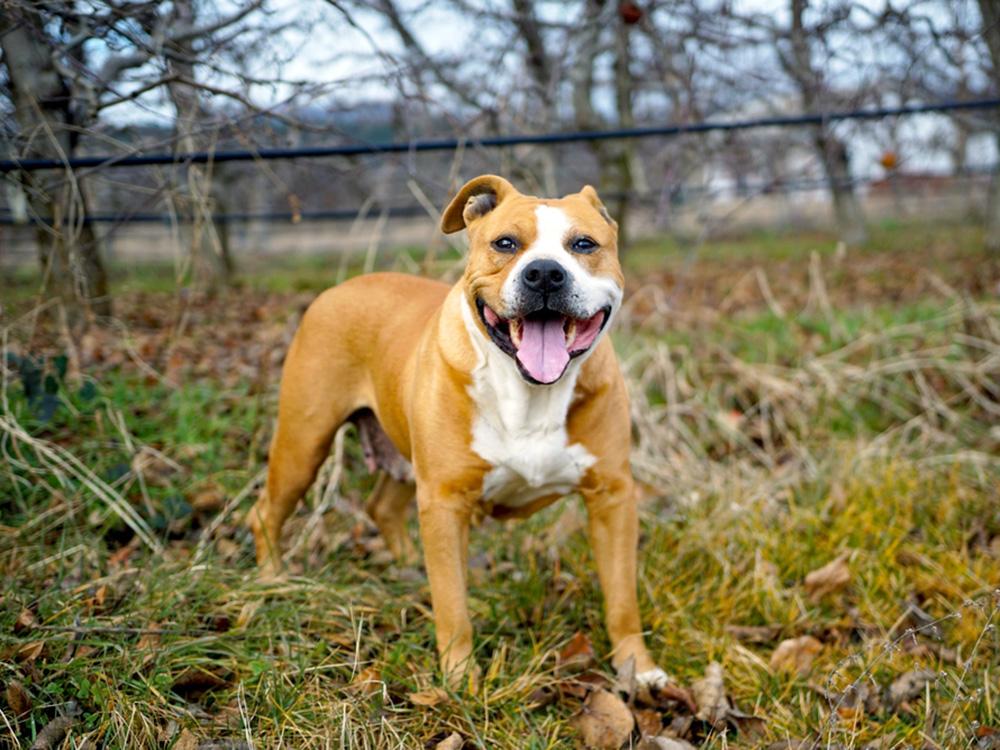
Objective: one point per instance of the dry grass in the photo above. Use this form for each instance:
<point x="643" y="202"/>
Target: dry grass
<point x="795" y="429"/>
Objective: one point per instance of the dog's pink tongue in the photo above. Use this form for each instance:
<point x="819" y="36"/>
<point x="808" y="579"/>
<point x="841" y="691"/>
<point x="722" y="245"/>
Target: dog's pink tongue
<point x="543" y="349"/>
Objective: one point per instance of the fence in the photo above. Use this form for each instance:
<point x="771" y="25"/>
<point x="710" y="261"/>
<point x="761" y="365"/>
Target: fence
<point x="677" y="204"/>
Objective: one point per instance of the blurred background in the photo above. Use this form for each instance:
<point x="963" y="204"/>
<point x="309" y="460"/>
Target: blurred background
<point x="235" y="82"/>
<point x="810" y="231"/>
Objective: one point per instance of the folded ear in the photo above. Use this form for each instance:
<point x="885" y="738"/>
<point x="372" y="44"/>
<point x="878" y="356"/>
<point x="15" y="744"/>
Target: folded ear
<point x="477" y="198"/>
<point x="591" y="196"/>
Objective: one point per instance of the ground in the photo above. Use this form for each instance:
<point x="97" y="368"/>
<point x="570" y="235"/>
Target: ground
<point x="816" y="434"/>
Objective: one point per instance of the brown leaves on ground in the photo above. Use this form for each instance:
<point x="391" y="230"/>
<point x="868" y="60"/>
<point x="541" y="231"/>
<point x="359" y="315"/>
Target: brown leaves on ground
<point x="668" y="717"/>
<point x="430" y="698"/>
<point x="909" y="685"/>
<point x="832" y="577"/>
<point x="25" y="621"/>
<point x="795" y="655"/>
<point x="367" y="682"/>
<point x="187" y="741"/>
<point x="453" y="741"/>
<point x="664" y="743"/>
<point x="754" y="633"/>
<point x="604" y="721"/>
<point x="578" y="655"/>
<point x="18" y="699"/>
<point x="710" y="695"/>
<point x="192" y="682"/>
<point x="715" y="707"/>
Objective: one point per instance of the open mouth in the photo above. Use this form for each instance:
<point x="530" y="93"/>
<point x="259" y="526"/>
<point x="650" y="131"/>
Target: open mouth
<point x="543" y="342"/>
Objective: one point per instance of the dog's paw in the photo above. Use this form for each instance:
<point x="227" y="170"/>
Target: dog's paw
<point x="652" y="679"/>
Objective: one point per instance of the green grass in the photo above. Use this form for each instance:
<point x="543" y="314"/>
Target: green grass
<point x="834" y="452"/>
<point x="783" y="245"/>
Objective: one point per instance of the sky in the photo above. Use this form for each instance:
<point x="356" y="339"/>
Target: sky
<point x="317" y="45"/>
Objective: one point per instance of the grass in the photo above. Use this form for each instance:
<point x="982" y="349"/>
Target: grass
<point x="770" y="441"/>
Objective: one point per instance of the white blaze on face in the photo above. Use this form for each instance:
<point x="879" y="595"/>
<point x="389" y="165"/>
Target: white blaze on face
<point x="589" y="293"/>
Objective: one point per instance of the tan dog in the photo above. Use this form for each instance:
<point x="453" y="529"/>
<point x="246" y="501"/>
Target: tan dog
<point x="500" y="392"/>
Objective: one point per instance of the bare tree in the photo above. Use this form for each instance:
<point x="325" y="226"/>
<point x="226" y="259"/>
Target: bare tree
<point x="49" y="118"/>
<point x="814" y="93"/>
<point x="67" y="66"/>
<point x="990" y="10"/>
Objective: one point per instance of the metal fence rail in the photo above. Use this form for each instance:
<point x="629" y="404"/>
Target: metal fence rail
<point x="450" y="144"/>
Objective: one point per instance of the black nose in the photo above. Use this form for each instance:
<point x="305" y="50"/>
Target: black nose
<point x="544" y="276"/>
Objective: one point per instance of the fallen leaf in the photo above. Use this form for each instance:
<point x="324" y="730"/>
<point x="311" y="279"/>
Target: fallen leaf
<point x="101" y="595"/>
<point x="194" y="681"/>
<point x="431" y="697"/>
<point x="909" y="685"/>
<point x="625" y="681"/>
<point x="648" y="720"/>
<point x="860" y="698"/>
<point x="149" y="642"/>
<point x="186" y="741"/>
<point x="367" y="682"/>
<point x="453" y="741"/>
<point x="665" y="743"/>
<point x="745" y="723"/>
<point x="578" y="686"/>
<point x="987" y="738"/>
<point x="709" y="695"/>
<point x="679" y="729"/>
<point x="247" y="611"/>
<point x="30" y="652"/>
<point x="578" y="655"/>
<point x="154" y="467"/>
<point x="795" y="655"/>
<point x="52" y="734"/>
<point x="25" y="621"/>
<point x="604" y="721"/>
<point x="17" y="697"/>
<point x="208" y="499"/>
<point x="667" y="695"/>
<point x="121" y="555"/>
<point x="754" y="633"/>
<point x="833" y="576"/>
<point x="541" y="697"/>
<point x="166" y="733"/>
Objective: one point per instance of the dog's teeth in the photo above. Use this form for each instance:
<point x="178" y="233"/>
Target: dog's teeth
<point x="571" y="332"/>
<point x="515" y="332"/>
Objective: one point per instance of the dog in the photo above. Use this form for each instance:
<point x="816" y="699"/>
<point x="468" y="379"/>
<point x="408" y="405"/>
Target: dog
<point x="498" y="395"/>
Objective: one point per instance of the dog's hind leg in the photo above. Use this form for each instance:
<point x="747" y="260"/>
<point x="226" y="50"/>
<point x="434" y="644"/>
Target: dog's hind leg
<point x="316" y="398"/>
<point x="296" y="454"/>
<point x="387" y="506"/>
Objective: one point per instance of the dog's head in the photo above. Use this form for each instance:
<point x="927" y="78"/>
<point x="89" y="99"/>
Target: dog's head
<point x="543" y="277"/>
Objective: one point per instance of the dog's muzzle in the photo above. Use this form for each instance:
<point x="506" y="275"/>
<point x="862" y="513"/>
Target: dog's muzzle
<point x="546" y="329"/>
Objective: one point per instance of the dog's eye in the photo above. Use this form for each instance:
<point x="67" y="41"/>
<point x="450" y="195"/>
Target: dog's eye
<point x="505" y="245"/>
<point x="583" y="245"/>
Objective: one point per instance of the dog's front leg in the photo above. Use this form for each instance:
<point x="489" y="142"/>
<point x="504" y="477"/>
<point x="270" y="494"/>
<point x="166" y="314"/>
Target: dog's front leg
<point x="444" y="531"/>
<point x="614" y="538"/>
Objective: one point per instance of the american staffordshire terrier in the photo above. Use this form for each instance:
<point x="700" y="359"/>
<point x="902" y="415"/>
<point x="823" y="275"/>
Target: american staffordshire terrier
<point x="497" y="395"/>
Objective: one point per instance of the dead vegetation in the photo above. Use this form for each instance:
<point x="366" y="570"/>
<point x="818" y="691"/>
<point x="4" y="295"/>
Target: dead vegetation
<point x="821" y="538"/>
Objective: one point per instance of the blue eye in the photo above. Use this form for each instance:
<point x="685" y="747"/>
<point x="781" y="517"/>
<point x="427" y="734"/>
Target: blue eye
<point x="584" y="245"/>
<point x="505" y="245"/>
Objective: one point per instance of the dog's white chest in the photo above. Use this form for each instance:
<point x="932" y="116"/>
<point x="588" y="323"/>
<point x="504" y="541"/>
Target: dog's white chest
<point x="520" y="430"/>
<point x="527" y="464"/>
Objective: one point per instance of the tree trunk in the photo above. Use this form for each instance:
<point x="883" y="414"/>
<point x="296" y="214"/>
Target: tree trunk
<point x="832" y="152"/>
<point x="614" y="160"/>
<point x="990" y="11"/>
<point x="209" y="253"/>
<point x="67" y="246"/>
<point x="622" y="162"/>
<point x="846" y="208"/>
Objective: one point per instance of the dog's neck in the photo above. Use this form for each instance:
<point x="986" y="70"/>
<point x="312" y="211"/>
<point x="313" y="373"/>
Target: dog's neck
<point x="505" y="399"/>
